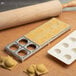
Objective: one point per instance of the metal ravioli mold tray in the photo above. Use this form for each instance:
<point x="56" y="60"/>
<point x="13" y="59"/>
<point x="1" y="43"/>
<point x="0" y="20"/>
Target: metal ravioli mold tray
<point x="33" y="41"/>
<point x="22" y="48"/>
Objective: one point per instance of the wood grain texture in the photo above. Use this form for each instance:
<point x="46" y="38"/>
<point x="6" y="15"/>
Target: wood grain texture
<point x="55" y="67"/>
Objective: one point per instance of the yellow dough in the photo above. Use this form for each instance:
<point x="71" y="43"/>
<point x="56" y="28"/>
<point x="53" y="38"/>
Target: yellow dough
<point x="2" y="58"/>
<point x="31" y="69"/>
<point x="34" y="70"/>
<point x="47" y="31"/>
<point x="41" y="69"/>
<point x="7" y="62"/>
<point x="31" y="74"/>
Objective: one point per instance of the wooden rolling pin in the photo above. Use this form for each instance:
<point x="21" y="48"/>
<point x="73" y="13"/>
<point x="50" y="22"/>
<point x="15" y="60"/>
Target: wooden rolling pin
<point x="29" y="14"/>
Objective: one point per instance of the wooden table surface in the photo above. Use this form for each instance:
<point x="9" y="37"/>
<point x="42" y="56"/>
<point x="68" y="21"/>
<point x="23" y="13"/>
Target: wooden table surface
<point x="55" y="67"/>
